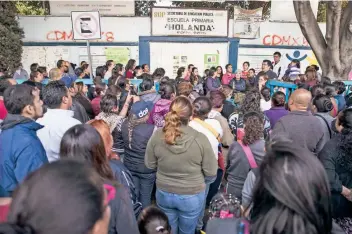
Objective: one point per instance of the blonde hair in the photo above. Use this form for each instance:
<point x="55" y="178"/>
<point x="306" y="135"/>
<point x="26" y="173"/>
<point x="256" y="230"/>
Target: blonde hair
<point x="179" y="114"/>
<point x="55" y="74"/>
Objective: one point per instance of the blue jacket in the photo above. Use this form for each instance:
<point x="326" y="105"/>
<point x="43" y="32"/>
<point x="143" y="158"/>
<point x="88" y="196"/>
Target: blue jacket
<point x="21" y="151"/>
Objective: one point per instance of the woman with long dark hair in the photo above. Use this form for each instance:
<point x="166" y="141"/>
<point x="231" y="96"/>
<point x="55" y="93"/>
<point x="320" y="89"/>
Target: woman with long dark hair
<point x="181" y="73"/>
<point x="131" y="64"/>
<point x="83" y="99"/>
<point x="291" y="193"/>
<point x="336" y="158"/>
<point x="246" y="155"/>
<point x="182" y="157"/>
<point x="134" y="136"/>
<point x="99" y="92"/>
<point x="69" y="192"/>
<point x="84" y="143"/>
<point x="219" y="73"/>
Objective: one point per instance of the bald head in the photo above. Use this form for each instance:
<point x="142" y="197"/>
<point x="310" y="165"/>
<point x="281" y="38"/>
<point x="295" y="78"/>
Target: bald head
<point x="300" y="100"/>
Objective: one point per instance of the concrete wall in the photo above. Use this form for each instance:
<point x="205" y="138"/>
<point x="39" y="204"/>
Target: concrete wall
<point x="48" y="39"/>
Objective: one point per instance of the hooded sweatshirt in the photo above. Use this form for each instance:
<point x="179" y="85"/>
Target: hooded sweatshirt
<point x="21" y="151"/>
<point x="150" y="96"/>
<point x="181" y="167"/>
<point x="157" y="115"/>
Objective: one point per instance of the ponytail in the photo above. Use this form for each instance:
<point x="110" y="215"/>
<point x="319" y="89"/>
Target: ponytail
<point x="172" y="127"/>
<point x="132" y="123"/>
<point x="179" y="114"/>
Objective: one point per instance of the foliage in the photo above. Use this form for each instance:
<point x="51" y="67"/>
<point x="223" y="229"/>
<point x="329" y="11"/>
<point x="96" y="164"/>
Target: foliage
<point x="143" y="7"/>
<point x="10" y="37"/>
<point x="32" y="8"/>
<point x="321" y="17"/>
<point x="228" y="5"/>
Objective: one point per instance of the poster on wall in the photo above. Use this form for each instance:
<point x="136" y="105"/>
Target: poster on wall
<point x="211" y="60"/>
<point x="118" y="55"/>
<point x="175" y="65"/>
<point x="177" y="62"/>
<point x="111" y="8"/>
<point x="189" y="22"/>
<point x="247" y="22"/>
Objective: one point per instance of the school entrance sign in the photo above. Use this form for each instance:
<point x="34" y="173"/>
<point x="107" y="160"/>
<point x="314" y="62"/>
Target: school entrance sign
<point x="189" y="22"/>
<point x="86" y="25"/>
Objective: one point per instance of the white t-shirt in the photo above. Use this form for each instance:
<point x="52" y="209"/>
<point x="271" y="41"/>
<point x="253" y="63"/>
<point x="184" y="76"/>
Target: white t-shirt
<point x="211" y="137"/>
<point x="265" y="105"/>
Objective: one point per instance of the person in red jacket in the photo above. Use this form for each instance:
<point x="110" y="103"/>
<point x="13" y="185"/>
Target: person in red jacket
<point x="131" y="64"/>
<point x="4" y="84"/>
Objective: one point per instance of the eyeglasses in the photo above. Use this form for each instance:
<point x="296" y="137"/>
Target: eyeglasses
<point x="111" y="192"/>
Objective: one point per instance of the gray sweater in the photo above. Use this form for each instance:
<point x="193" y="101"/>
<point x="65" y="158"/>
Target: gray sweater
<point x="238" y="166"/>
<point x="325" y="127"/>
<point x="303" y="129"/>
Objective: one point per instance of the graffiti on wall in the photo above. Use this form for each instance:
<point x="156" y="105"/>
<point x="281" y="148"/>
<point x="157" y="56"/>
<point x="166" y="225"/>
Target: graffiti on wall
<point x="61" y="35"/>
<point x="287" y="40"/>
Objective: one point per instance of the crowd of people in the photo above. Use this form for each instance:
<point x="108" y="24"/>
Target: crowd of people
<point x="217" y="153"/>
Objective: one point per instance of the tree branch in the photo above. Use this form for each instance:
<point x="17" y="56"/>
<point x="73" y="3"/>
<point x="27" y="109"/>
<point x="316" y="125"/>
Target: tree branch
<point x="333" y="18"/>
<point x="310" y="29"/>
<point x="346" y="41"/>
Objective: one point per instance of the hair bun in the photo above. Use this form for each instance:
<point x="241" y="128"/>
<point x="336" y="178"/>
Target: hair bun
<point x="327" y="104"/>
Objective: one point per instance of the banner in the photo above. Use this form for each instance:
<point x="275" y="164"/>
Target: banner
<point x="189" y="22"/>
<point x="111" y="8"/>
<point x="288" y="15"/>
<point x="118" y="55"/>
<point x="247" y="22"/>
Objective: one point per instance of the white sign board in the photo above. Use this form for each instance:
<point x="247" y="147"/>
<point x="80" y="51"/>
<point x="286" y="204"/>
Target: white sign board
<point x="189" y="22"/>
<point x="85" y="25"/>
<point x="247" y="22"/>
<point x="106" y="7"/>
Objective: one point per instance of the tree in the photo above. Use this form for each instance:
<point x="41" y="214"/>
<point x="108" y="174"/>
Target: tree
<point x="32" y="7"/>
<point x="334" y="51"/>
<point x="10" y="37"/>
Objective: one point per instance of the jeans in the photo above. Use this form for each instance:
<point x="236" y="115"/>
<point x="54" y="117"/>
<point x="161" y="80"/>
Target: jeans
<point x="144" y="184"/>
<point x="215" y="186"/>
<point x="182" y="210"/>
<point x="208" y="182"/>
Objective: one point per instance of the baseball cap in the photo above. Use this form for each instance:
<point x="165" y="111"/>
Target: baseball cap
<point x="141" y="108"/>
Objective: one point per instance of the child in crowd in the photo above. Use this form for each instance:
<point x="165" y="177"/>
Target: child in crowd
<point x="153" y="221"/>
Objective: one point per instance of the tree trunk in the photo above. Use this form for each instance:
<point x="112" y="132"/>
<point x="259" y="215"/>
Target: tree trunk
<point x="334" y="52"/>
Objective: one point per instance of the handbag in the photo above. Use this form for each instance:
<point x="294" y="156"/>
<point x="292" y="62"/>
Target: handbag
<point x="250" y="157"/>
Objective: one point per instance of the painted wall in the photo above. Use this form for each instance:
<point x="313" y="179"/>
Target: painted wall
<point x="59" y="29"/>
<point x="48" y="39"/>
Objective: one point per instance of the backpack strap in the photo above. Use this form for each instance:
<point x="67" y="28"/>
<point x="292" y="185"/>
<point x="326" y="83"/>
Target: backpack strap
<point x="249" y="154"/>
<point x="326" y="122"/>
<point x="209" y="127"/>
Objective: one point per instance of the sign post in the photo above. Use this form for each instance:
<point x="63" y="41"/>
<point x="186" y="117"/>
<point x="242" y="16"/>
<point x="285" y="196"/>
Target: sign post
<point x="86" y="26"/>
